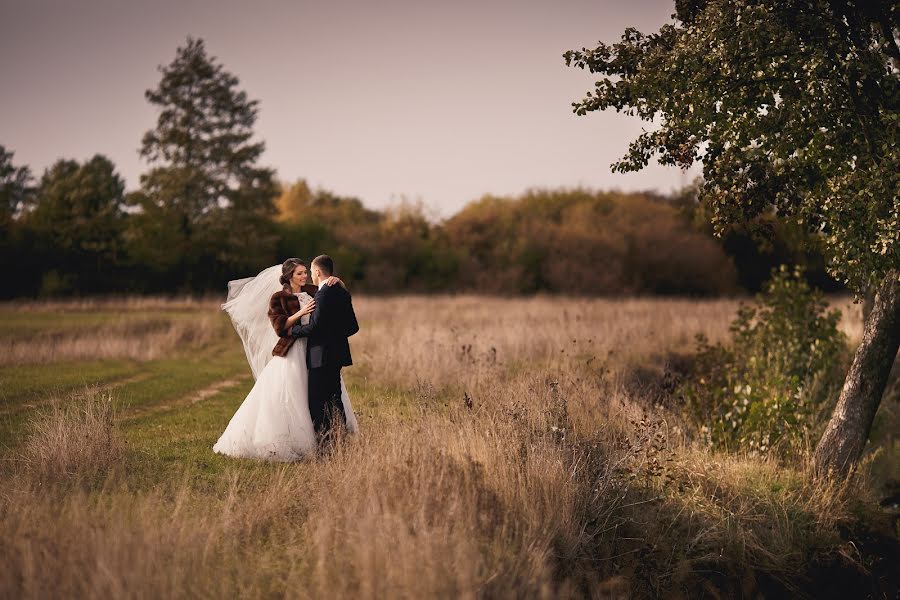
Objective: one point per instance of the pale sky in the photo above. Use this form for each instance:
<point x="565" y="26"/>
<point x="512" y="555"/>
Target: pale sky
<point x="424" y="99"/>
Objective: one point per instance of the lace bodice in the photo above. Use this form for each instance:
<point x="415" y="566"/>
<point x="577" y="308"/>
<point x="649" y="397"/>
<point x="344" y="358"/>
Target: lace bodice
<point x="303" y="297"/>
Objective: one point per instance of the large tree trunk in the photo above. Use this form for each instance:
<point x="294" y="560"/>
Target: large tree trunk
<point x="868" y="302"/>
<point x="847" y="432"/>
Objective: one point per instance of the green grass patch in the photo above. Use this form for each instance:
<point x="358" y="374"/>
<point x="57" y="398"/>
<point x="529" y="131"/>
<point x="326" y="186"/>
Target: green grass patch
<point x="21" y="384"/>
<point x="173" y="378"/>
<point x="165" y="444"/>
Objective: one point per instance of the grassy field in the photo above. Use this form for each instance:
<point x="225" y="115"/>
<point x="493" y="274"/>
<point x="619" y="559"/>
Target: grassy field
<point x="508" y="448"/>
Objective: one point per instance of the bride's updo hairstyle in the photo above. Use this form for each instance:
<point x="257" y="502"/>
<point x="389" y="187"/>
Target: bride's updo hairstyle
<point x="287" y="270"/>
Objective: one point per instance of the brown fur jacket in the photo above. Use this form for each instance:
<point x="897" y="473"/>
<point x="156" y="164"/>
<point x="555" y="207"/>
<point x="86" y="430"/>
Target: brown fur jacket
<point x="282" y="305"/>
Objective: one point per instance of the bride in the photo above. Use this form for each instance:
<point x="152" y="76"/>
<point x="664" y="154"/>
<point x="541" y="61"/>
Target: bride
<point x="274" y="422"/>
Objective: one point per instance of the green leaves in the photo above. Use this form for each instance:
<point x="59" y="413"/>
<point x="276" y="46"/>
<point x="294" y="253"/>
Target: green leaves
<point x="204" y="177"/>
<point x="79" y="207"/>
<point x="765" y="388"/>
<point x="201" y="151"/>
<point x="791" y="107"/>
<point x="15" y="188"/>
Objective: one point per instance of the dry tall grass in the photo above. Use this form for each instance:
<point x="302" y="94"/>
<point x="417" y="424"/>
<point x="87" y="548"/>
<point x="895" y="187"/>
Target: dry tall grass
<point x="136" y="338"/>
<point x="113" y="303"/>
<point x="528" y="470"/>
<point x="467" y="340"/>
<point x="74" y="437"/>
<point x="464" y="339"/>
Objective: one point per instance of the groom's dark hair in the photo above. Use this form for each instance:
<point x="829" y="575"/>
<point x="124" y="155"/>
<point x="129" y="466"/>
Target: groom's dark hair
<point x="324" y="263"/>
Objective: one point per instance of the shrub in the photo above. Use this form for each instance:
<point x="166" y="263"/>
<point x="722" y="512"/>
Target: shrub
<point x="767" y="387"/>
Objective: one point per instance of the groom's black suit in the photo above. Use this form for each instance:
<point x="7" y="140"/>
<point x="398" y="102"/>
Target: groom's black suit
<point x="327" y="350"/>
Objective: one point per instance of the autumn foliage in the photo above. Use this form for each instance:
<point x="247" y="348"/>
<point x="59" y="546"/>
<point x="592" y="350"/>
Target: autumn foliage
<point x="573" y="241"/>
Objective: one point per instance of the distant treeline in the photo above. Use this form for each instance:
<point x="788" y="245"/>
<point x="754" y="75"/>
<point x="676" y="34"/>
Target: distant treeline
<point x="77" y="232"/>
<point x="206" y="212"/>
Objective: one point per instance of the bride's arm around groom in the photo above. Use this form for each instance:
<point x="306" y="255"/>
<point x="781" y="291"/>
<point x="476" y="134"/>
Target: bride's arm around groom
<point x="333" y="319"/>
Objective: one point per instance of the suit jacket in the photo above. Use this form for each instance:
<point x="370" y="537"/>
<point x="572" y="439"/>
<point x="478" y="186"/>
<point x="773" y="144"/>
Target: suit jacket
<point x="330" y="324"/>
<point x="282" y="305"/>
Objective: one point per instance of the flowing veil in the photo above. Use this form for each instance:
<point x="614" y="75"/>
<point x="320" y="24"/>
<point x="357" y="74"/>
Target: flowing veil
<point x="248" y="305"/>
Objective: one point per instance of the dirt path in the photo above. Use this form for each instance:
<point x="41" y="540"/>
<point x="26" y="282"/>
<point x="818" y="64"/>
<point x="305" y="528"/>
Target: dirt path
<point x="185" y="401"/>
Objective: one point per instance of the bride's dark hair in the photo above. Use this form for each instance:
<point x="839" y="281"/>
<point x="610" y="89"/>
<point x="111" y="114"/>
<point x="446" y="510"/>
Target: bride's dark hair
<point x="287" y="271"/>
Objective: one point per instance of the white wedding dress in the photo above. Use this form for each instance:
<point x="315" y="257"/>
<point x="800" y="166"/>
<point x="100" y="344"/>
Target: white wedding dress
<point x="273" y="422"/>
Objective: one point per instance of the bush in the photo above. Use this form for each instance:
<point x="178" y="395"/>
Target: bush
<point x="767" y="388"/>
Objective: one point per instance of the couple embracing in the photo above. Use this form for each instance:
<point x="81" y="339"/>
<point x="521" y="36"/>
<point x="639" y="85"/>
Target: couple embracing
<point x="295" y="337"/>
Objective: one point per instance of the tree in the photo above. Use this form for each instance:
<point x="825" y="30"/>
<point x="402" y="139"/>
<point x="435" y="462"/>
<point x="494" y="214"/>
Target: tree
<point x="15" y="188"/>
<point x="293" y="202"/>
<point x="792" y="107"/>
<point x="16" y="197"/>
<point x="204" y="173"/>
<point x="78" y="217"/>
<point x="298" y="202"/>
<point x="761" y="246"/>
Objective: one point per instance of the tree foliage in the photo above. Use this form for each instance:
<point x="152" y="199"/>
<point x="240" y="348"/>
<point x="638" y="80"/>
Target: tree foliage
<point x="297" y="202"/>
<point x="581" y="241"/>
<point x="762" y="244"/>
<point x="201" y="145"/>
<point x="204" y="177"/>
<point x="75" y="225"/>
<point x="791" y="105"/>
<point x="15" y="188"/>
<point x="765" y="388"/>
<point x="80" y="206"/>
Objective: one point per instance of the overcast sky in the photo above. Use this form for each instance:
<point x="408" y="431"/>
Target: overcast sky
<point x="436" y="100"/>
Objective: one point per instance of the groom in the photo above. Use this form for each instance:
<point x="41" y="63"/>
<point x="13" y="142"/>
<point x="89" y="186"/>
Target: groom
<point x="327" y="350"/>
